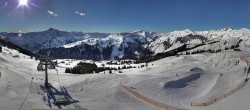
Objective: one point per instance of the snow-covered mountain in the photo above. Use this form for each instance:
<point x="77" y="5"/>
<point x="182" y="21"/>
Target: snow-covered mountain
<point x="117" y="45"/>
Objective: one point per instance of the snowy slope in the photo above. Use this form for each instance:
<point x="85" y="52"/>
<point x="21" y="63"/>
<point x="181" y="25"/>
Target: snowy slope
<point x="158" y="44"/>
<point x="169" y="80"/>
<point x="96" y="91"/>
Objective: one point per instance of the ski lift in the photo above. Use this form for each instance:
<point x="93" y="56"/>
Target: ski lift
<point x="52" y="66"/>
<point x="40" y="67"/>
<point x="46" y="62"/>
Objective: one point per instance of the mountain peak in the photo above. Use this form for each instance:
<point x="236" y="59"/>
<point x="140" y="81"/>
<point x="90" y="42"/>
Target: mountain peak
<point x="138" y="31"/>
<point x="188" y="30"/>
<point x="52" y="29"/>
<point x="244" y="29"/>
<point x="227" y="29"/>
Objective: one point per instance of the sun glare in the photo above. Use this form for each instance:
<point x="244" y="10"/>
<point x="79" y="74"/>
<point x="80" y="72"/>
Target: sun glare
<point x="23" y="2"/>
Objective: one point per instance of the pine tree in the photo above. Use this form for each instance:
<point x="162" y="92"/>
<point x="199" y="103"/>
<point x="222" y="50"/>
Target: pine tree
<point x="124" y="67"/>
<point x="67" y="70"/>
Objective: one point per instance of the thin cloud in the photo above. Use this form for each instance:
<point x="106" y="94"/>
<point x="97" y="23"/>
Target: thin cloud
<point x="52" y="13"/>
<point x="80" y="13"/>
<point x="20" y="33"/>
<point x="6" y="4"/>
<point x="33" y="4"/>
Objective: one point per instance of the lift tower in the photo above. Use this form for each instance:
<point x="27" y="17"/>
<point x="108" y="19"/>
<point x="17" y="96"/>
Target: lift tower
<point x="46" y="62"/>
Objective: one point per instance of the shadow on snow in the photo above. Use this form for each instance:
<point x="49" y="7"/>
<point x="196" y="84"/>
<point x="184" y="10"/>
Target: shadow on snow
<point x="183" y="82"/>
<point x="59" y="97"/>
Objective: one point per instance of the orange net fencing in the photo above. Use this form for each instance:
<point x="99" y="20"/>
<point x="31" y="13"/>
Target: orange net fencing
<point x="242" y="84"/>
<point x="148" y="100"/>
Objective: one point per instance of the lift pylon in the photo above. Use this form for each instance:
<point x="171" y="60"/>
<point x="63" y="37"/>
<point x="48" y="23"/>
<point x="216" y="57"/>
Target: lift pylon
<point x="46" y="62"/>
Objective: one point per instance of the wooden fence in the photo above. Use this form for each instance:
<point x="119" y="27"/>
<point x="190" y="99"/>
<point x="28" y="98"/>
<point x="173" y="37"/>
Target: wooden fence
<point x="242" y="84"/>
<point x="148" y="100"/>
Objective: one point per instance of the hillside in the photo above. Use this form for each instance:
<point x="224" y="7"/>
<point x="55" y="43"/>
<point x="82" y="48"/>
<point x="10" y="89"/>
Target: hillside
<point x="171" y="80"/>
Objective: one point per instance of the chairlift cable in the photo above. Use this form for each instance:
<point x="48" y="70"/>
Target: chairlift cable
<point x="59" y="79"/>
<point x="27" y="94"/>
<point x="61" y="85"/>
<point x="35" y="83"/>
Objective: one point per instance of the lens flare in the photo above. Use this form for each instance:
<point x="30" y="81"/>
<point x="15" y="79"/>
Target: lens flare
<point x="23" y="2"/>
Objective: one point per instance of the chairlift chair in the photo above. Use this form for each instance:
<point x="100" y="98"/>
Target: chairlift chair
<point x="40" y="67"/>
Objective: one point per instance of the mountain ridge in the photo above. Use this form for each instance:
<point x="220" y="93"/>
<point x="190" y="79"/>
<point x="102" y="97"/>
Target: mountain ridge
<point x="134" y="44"/>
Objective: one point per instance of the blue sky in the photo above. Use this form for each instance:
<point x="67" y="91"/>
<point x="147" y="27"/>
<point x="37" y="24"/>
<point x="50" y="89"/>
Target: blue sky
<point x="124" y="15"/>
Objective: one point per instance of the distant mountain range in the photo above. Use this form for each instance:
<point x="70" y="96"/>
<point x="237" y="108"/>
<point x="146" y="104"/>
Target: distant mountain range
<point x="106" y="46"/>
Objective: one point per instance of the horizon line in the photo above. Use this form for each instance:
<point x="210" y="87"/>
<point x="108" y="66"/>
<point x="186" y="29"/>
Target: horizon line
<point x="63" y="30"/>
